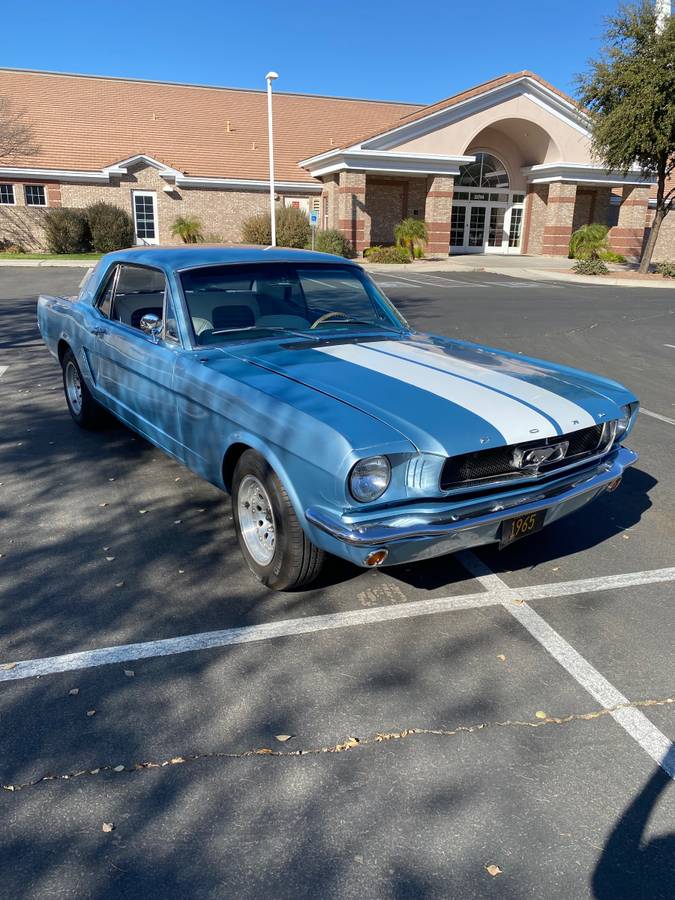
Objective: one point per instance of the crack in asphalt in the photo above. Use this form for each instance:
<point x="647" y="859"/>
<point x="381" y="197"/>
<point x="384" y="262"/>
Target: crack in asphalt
<point x="350" y="743"/>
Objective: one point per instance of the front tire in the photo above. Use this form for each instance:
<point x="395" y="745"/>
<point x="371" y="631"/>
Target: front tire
<point x="270" y="536"/>
<point x="86" y="412"/>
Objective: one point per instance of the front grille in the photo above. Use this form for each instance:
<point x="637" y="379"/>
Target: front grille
<point x="496" y="464"/>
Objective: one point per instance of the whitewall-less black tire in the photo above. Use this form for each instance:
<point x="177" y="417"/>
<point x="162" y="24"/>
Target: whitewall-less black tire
<point x="271" y="538"/>
<point x="81" y="405"/>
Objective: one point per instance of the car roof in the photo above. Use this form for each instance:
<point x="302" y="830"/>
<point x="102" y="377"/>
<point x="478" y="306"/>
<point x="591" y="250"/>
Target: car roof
<point x="186" y="257"/>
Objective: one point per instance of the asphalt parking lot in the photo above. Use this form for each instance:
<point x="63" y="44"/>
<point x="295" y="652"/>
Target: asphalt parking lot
<point x="512" y="710"/>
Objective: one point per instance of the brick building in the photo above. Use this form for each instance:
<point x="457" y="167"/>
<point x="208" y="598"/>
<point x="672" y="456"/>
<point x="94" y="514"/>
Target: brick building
<point x="505" y="167"/>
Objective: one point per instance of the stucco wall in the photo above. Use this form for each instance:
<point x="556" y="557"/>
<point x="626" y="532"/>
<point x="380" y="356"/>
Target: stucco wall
<point x="566" y="142"/>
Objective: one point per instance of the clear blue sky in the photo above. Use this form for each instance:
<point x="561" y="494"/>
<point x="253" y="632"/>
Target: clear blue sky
<point x="387" y="50"/>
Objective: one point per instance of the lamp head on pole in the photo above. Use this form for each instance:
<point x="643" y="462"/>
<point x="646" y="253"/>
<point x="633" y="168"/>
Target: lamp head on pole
<point x="271" y="76"/>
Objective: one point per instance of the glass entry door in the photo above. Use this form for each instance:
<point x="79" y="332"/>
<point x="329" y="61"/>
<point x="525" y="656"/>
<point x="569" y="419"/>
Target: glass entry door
<point x="490" y="226"/>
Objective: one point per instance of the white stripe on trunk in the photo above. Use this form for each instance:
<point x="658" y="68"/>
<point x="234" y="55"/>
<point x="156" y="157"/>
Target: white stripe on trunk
<point x="515" y="420"/>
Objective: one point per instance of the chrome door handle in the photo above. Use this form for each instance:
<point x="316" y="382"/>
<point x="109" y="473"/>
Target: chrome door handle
<point x="99" y="332"/>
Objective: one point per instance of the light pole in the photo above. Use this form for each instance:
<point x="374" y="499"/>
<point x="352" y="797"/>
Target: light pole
<point x="270" y="77"/>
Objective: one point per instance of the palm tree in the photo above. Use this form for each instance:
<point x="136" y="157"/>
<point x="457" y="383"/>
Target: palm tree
<point x="589" y="241"/>
<point x="187" y="229"/>
<point x="411" y="233"/>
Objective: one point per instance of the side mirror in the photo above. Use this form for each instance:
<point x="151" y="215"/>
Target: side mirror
<point x="152" y="325"/>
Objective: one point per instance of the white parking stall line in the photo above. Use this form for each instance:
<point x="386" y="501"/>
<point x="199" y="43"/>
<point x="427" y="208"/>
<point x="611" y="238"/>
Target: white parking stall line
<point x="495" y="593"/>
<point x="445" y="282"/>
<point x="671" y="346"/>
<point x="633" y="721"/>
<point x="3" y="369"/>
<point x="648" y="412"/>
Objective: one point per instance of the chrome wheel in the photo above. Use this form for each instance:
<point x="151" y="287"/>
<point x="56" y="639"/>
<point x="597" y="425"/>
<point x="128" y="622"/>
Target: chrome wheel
<point x="256" y="520"/>
<point x="73" y="388"/>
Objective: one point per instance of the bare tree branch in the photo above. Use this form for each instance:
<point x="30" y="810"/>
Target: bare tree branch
<point x="16" y="134"/>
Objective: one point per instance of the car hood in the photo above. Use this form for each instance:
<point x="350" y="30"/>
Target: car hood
<point x="445" y="396"/>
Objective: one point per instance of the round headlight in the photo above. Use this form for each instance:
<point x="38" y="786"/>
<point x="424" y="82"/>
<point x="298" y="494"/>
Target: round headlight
<point x="624" y="421"/>
<point x="369" y="478"/>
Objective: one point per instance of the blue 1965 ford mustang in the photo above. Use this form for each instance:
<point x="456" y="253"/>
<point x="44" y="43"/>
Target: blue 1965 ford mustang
<point x="288" y="379"/>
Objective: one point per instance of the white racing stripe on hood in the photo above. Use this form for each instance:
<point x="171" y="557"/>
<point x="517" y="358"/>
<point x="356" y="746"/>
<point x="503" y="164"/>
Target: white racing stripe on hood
<point x="515" y="420"/>
<point x="570" y="416"/>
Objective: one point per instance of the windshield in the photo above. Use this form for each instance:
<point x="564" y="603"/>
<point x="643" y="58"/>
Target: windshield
<point x="226" y="302"/>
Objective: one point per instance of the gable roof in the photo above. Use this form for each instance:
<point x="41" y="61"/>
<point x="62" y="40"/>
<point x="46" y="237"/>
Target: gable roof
<point x="478" y="90"/>
<point x="85" y="123"/>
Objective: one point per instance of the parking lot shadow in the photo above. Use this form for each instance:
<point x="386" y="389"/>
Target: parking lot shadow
<point x="630" y="869"/>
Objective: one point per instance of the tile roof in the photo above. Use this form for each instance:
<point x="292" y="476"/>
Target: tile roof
<point x="85" y="123"/>
<point x="422" y="112"/>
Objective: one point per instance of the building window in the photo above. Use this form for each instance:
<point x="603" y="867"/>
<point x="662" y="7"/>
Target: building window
<point x="35" y="195"/>
<point x="7" y="194"/>
<point x="515" y="227"/>
<point x="457" y="226"/>
<point x="485" y="172"/>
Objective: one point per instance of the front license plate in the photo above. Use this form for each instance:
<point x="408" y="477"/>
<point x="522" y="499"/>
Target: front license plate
<point x="521" y="526"/>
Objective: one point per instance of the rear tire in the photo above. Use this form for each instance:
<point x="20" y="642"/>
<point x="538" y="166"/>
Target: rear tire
<point x="270" y="536"/>
<point x="86" y="412"/>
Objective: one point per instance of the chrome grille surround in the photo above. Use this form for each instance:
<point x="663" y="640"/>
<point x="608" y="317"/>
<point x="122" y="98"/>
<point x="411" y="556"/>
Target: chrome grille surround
<point x="492" y="468"/>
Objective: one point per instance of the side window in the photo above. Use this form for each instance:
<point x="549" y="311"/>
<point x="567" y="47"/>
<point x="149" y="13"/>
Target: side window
<point x="104" y="302"/>
<point x="139" y="291"/>
<point x="170" y="326"/>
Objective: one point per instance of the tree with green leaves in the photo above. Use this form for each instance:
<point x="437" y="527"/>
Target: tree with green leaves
<point x="411" y="233"/>
<point x="630" y="95"/>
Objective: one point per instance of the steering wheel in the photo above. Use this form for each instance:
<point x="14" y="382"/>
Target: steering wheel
<point x="326" y="317"/>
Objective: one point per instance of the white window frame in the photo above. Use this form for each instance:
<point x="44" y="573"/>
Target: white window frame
<point x="13" y="201"/>
<point x="139" y="240"/>
<point x="38" y="205"/>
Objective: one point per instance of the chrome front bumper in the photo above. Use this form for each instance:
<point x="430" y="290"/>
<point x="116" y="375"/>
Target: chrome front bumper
<point x="479" y="523"/>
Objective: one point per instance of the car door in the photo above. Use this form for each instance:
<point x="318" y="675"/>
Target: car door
<point x="133" y="369"/>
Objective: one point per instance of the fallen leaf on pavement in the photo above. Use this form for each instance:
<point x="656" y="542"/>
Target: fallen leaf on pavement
<point x="74" y="692"/>
<point x="129" y="673"/>
<point x="540" y="714"/>
<point x="501" y="656"/>
<point x="7" y="666"/>
<point x="493" y="870"/>
<point x="177" y="521"/>
<point x="142" y="512"/>
<point x="94" y="771"/>
<point x="103" y="504"/>
<point x="176" y="760"/>
<point x="517" y="601"/>
<point x="119" y="584"/>
<point x="181" y="571"/>
<point x="91" y="712"/>
<point x="118" y="769"/>
<point x="110" y="558"/>
<point x="283" y="737"/>
<point x="107" y="827"/>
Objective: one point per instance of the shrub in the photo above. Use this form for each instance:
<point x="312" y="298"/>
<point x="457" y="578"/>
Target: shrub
<point x="667" y="269"/>
<point x="189" y="230"/>
<point x="589" y="242"/>
<point x="67" y="230"/>
<point x="590" y="267"/>
<point x="111" y="227"/>
<point x="257" y="229"/>
<point x="411" y="233"/>
<point x="333" y="241"/>
<point x="388" y="255"/>
<point x="611" y="256"/>
<point x="292" y="228"/>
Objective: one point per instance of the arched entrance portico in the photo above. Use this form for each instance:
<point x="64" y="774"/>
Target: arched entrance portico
<point x="487" y="216"/>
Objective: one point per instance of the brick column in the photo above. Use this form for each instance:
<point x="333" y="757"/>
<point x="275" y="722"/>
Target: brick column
<point x="438" y="212"/>
<point x="353" y="221"/>
<point x="628" y="235"/>
<point x="559" y="217"/>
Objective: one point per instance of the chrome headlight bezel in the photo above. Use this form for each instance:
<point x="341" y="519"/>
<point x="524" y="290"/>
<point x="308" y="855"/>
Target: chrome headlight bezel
<point x="626" y="420"/>
<point x="369" y="478"/>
